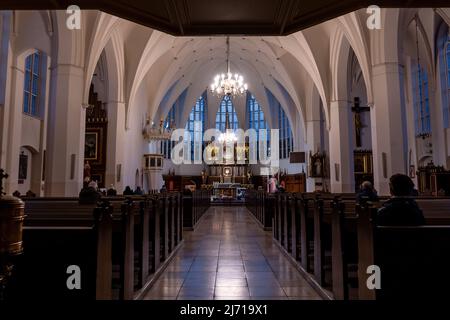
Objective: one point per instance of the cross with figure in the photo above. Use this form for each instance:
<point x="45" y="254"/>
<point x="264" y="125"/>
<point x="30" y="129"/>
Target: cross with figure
<point x="3" y="175"/>
<point x="357" y="109"/>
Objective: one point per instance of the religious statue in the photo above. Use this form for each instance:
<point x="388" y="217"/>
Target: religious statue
<point x="358" y="127"/>
<point x="204" y="176"/>
<point x="249" y="177"/>
<point x="317" y="162"/>
<point x="318" y="167"/>
<point x="87" y="171"/>
<point x="357" y="109"/>
<point x="161" y="126"/>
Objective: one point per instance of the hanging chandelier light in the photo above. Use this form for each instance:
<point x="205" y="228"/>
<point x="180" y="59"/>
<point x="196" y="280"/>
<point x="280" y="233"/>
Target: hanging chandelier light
<point x="228" y="84"/>
<point x="227" y="137"/>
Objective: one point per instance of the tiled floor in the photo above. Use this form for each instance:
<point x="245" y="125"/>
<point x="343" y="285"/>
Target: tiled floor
<point x="229" y="257"/>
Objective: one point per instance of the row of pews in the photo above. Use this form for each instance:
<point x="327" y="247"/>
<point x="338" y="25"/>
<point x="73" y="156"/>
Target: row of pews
<point x="195" y="205"/>
<point x="335" y="243"/>
<point x="261" y="205"/>
<point x="115" y="247"/>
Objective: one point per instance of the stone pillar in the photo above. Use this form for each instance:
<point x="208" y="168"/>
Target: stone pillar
<point x="65" y="152"/>
<point x="15" y="127"/>
<point x="115" y="145"/>
<point x="388" y="129"/>
<point x="341" y="155"/>
<point x="5" y="71"/>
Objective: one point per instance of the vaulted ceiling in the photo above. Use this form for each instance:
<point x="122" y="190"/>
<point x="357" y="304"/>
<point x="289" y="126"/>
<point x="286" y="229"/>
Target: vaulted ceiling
<point x="206" y="17"/>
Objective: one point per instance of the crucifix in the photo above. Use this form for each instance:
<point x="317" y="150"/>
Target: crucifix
<point x="3" y="175"/>
<point x="357" y="109"/>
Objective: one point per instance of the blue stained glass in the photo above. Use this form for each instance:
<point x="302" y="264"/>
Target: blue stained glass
<point x="36" y="63"/>
<point x="26" y="104"/>
<point x="33" y="105"/>
<point x="27" y="82"/>
<point x="31" y="84"/>
<point x="35" y="85"/>
<point x="28" y="62"/>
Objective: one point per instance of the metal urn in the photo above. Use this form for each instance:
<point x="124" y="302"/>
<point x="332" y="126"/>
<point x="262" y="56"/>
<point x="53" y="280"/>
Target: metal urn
<point x="11" y="225"/>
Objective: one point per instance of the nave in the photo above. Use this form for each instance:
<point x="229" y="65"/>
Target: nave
<point x="229" y="257"/>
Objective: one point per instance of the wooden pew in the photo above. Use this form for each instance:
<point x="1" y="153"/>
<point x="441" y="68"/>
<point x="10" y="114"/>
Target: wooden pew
<point x="344" y="246"/>
<point x="345" y="240"/>
<point x="135" y="231"/>
<point x="414" y="261"/>
<point x="194" y="207"/>
<point x="40" y="273"/>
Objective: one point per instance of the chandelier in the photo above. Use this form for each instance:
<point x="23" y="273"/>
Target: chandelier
<point x="227" y="83"/>
<point x="151" y="132"/>
<point x="228" y="136"/>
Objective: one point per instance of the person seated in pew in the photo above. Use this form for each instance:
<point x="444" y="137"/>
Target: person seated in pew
<point x="89" y="194"/>
<point x="138" y="191"/>
<point x="128" y="191"/>
<point x="30" y="194"/>
<point x="112" y="192"/>
<point x="367" y="193"/>
<point x="401" y="209"/>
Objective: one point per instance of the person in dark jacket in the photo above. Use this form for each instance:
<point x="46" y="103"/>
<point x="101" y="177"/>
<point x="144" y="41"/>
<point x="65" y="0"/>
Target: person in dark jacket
<point x="138" y="191"/>
<point x="401" y="209"/>
<point x="88" y="195"/>
<point x="128" y="191"/>
<point x="367" y="193"/>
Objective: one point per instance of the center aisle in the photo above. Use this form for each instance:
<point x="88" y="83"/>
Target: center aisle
<point x="228" y="257"/>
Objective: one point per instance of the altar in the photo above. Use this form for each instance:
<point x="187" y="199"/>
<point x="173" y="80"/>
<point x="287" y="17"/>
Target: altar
<point x="226" y="190"/>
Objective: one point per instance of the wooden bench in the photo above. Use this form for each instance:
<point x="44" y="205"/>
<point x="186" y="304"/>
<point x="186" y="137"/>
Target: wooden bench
<point x="194" y="207"/>
<point x="40" y="273"/>
<point x="138" y="247"/>
<point x="345" y="252"/>
<point x="414" y="261"/>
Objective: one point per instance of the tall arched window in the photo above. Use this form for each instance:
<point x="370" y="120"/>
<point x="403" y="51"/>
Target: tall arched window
<point x="447" y="105"/>
<point x="255" y="118"/>
<point x="445" y="76"/>
<point x="226" y="107"/>
<point x="32" y="82"/>
<point x="167" y="145"/>
<point x="421" y="101"/>
<point x="286" y="140"/>
<point x="197" y="115"/>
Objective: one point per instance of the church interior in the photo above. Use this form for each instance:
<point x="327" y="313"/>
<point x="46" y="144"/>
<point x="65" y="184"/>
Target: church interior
<point x="195" y="150"/>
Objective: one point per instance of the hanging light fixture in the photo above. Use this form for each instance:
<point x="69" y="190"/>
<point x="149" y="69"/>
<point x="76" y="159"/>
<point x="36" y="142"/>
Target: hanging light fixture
<point x="228" y="84"/>
<point x="228" y="136"/>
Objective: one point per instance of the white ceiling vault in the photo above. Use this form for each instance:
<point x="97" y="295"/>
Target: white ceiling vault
<point x="293" y="68"/>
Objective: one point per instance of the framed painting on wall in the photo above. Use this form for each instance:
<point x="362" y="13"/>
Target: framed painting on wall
<point x="23" y="167"/>
<point x="91" y="146"/>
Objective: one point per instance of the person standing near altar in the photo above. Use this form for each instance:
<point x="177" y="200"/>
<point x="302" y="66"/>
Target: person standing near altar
<point x="272" y="185"/>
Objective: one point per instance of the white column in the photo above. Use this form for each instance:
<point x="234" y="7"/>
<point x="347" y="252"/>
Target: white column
<point x="15" y="128"/>
<point x="389" y="154"/>
<point x="115" y="145"/>
<point x="65" y="152"/>
<point x="341" y="155"/>
<point x="5" y="85"/>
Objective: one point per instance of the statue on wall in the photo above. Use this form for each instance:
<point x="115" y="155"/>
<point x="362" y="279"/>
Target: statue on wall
<point x="204" y="176"/>
<point x="87" y="171"/>
<point x="317" y="165"/>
